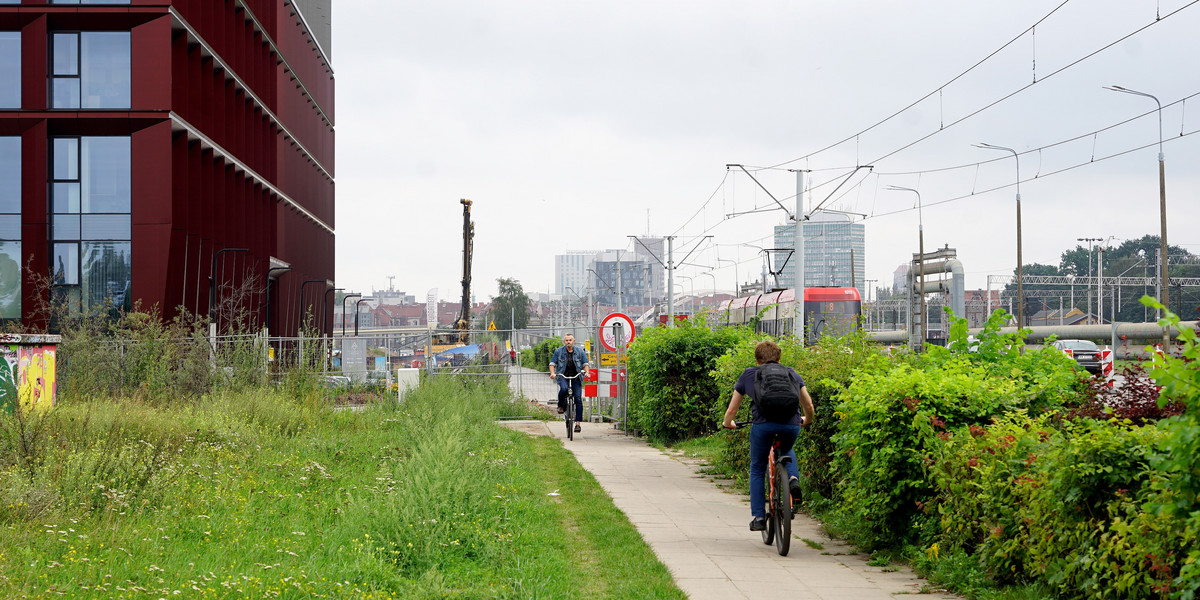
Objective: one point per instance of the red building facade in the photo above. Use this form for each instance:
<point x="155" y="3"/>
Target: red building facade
<point x="173" y="154"/>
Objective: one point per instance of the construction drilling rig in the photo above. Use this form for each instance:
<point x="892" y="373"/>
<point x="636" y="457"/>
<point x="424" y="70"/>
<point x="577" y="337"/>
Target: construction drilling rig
<point x="463" y="324"/>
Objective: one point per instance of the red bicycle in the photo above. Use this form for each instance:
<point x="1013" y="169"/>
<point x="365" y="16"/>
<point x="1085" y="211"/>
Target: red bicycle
<point x="779" y="498"/>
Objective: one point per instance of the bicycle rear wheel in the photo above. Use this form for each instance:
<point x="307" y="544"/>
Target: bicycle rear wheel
<point x="781" y="511"/>
<point x="768" y="534"/>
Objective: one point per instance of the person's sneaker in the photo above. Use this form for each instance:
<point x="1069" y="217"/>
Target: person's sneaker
<point x="797" y="495"/>
<point x="758" y="524"/>
<point x="578" y="428"/>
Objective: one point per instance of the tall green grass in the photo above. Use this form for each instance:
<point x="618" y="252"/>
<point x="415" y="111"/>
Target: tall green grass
<point x="263" y="494"/>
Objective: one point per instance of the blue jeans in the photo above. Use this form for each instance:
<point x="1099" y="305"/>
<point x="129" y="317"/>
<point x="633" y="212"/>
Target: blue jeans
<point x="762" y="436"/>
<point x="576" y="383"/>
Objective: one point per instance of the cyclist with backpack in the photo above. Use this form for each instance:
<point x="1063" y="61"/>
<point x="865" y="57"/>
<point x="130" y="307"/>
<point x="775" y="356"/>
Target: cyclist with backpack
<point x="778" y="395"/>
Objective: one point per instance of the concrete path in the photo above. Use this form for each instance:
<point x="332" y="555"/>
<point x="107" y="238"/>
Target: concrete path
<point x="701" y="533"/>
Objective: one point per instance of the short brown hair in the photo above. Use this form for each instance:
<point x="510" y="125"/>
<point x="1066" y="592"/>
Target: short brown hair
<point x="767" y="351"/>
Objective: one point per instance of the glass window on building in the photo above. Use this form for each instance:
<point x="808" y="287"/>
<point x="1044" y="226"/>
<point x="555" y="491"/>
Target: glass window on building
<point x="10" y="227"/>
<point x="90" y="69"/>
<point x="82" y="2"/>
<point x="91" y="193"/>
<point x="10" y="69"/>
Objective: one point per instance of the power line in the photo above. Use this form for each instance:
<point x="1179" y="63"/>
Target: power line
<point x="938" y="90"/>
<point x="1063" y="170"/>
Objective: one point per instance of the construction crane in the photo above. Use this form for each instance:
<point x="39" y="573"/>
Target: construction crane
<point x="463" y="325"/>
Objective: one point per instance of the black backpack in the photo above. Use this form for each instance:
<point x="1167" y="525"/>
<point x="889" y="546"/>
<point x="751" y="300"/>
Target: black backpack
<point x="776" y="393"/>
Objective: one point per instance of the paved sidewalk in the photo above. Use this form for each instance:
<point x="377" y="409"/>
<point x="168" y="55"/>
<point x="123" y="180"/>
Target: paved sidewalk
<point x="701" y="534"/>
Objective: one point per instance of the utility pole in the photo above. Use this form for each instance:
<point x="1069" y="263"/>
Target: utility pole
<point x="798" y="249"/>
<point x="1089" y="241"/>
<point x="1100" y="284"/>
<point x="671" y="281"/>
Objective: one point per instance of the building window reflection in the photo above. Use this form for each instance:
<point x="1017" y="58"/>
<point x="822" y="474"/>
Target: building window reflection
<point x="90" y="69"/>
<point x="10" y="227"/>
<point x="10" y="69"/>
<point x="90" y="221"/>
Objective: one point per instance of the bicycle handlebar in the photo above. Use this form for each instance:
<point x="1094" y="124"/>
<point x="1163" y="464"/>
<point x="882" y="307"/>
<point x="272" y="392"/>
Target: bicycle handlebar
<point x="575" y="376"/>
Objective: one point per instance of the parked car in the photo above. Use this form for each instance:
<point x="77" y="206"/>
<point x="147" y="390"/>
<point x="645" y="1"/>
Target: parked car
<point x="336" y="381"/>
<point x="1086" y="353"/>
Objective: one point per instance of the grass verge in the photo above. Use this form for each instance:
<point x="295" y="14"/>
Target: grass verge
<point x="257" y="494"/>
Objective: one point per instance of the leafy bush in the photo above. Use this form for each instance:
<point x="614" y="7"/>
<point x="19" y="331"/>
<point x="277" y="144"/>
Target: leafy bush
<point x="1176" y="459"/>
<point x="826" y="369"/>
<point x="1136" y="399"/>
<point x="1059" y="505"/>
<point x="894" y="421"/>
<point x="538" y="357"/>
<point x="671" y="394"/>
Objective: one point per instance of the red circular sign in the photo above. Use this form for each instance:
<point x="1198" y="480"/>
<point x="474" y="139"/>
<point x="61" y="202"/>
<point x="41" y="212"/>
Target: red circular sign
<point x="608" y="335"/>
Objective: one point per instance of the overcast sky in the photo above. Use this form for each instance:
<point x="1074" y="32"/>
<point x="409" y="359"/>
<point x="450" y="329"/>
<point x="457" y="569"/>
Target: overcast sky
<point x="572" y="125"/>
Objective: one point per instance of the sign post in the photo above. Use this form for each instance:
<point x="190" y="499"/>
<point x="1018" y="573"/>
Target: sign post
<point x="609" y="334"/>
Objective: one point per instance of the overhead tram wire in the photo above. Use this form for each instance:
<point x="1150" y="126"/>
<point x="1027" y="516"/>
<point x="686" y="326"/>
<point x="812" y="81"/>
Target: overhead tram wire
<point x="1047" y="146"/>
<point x="946" y="126"/>
<point x="705" y="204"/>
<point x="1025" y="87"/>
<point x="1048" y="174"/>
<point x="943" y="127"/>
<point x="932" y="93"/>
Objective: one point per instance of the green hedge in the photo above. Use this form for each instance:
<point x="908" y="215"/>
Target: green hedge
<point x="974" y="461"/>
<point x="538" y="357"/>
<point x="826" y="369"/>
<point x="671" y="394"/>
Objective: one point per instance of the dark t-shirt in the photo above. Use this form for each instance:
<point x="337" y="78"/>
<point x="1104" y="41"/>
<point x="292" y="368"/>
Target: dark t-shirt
<point x="569" y="370"/>
<point x="745" y="387"/>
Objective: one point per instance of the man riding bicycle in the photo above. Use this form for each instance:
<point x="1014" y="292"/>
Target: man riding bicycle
<point x="778" y="395"/>
<point x="569" y="360"/>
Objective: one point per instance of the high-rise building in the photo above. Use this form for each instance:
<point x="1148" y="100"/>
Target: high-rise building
<point x="571" y="271"/>
<point x="834" y="253"/>
<point x="177" y="154"/>
<point x="634" y="282"/>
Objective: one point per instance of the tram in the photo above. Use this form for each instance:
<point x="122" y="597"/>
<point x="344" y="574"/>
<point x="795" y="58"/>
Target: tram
<point x="826" y="311"/>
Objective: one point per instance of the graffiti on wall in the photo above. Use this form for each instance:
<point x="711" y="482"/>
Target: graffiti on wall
<point x="28" y="377"/>
<point x="9" y="359"/>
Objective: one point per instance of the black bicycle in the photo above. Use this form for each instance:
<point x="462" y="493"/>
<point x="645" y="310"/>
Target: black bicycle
<point x="569" y="413"/>
<point x="779" y="498"/>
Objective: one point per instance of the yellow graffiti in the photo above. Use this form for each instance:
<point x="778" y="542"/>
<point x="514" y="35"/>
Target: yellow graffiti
<point x="37" y="385"/>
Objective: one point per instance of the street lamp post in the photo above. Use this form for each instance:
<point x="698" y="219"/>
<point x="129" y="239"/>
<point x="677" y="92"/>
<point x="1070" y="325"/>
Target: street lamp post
<point x="302" y="286"/>
<point x="325" y="303"/>
<point x="344" y="298"/>
<point x="356" y="305"/>
<point x="691" y="297"/>
<point x="1089" y="240"/>
<point x="736" y="281"/>
<point x="1020" y="273"/>
<point x="1164" y="291"/>
<point x="212" y="280"/>
<point x="267" y="299"/>
<point x="921" y="262"/>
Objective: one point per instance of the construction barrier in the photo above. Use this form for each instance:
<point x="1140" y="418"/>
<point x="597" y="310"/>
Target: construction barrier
<point x="603" y="382"/>
<point x="1106" y="365"/>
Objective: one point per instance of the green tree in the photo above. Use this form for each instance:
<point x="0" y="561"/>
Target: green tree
<point x="510" y="308"/>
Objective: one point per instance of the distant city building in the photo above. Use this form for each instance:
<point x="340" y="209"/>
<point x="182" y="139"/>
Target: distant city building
<point x="571" y="270"/>
<point x="834" y="253"/>
<point x="634" y="283"/>
<point x="653" y="251"/>
<point x="900" y="279"/>
<point x="392" y="296"/>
